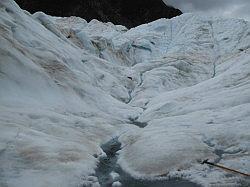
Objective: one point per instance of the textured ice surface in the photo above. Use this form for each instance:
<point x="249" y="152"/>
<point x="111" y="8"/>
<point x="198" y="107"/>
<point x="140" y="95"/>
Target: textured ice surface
<point x="64" y="90"/>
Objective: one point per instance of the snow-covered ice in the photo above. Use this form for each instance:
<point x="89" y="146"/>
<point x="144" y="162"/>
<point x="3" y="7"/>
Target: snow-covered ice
<point x="64" y="91"/>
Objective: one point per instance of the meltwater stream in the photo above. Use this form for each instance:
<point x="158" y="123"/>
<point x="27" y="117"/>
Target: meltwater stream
<point x="108" y="165"/>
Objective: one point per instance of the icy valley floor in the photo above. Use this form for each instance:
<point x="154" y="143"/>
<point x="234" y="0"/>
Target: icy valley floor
<point x="174" y="92"/>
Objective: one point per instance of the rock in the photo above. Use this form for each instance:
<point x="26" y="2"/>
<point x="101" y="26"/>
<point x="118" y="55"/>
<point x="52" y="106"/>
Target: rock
<point x="122" y="12"/>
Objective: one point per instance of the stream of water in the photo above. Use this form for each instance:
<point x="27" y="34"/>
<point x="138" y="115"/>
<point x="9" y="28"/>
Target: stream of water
<point x="108" y="165"/>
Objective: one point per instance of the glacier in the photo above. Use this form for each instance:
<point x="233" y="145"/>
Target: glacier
<point x="174" y="92"/>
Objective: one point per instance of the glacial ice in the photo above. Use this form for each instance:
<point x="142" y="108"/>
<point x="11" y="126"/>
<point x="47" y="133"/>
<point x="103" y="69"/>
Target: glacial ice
<point x="64" y="91"/>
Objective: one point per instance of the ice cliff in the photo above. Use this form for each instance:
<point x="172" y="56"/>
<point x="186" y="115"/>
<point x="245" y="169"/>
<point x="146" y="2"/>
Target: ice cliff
<point x="67" y="86"/>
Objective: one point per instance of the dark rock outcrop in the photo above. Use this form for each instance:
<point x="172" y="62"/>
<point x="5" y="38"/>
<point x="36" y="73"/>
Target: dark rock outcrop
<point x="124" y="12"/>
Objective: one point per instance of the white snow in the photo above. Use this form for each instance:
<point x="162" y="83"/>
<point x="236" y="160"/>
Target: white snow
<point x="114" y="176"/>
<point x="64" y="90"/>
<point x="116" y="184"/>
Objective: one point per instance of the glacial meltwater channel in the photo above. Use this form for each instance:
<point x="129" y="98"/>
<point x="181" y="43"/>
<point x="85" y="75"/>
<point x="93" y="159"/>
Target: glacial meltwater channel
<point x="108" y="165"/>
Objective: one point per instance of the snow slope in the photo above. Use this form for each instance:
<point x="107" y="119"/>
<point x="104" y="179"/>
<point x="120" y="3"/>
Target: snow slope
<point x="64" y="91"/>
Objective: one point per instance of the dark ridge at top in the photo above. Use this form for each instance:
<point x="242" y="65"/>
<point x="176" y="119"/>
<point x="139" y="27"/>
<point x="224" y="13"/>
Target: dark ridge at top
<point x="129" y="13"/>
